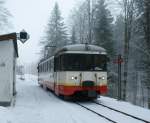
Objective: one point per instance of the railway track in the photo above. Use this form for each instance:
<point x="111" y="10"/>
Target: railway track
<point x="129" y="115"/>
<point x="123" y="115"/>
<point x="110" y="108"/>
<point x="110" y="120"/>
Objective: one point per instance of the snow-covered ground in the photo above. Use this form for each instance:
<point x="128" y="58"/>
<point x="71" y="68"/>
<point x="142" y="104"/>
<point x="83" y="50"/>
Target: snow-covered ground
<point x="126" y="107"/>
<point x="35" y="105"/>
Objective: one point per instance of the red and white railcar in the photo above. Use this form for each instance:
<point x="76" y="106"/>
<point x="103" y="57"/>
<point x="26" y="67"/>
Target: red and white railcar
<point x="79" y="69"/>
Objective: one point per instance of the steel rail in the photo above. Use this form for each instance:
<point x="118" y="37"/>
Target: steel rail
<point x="137" y="118"/>
<point x="96" y="112"/>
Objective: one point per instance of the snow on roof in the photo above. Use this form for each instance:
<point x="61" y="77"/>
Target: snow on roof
<point x="81" y="47"/>
<point x="12" y="36"/>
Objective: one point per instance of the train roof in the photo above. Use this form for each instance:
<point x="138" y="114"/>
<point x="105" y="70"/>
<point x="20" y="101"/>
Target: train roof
<point x="81" y="48"/>
<point x="77" y="48"/>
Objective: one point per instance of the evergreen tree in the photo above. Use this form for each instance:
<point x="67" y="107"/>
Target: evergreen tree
<point x="79" y="18"/>
<point x="56" y="32"/>
<point x="119" y="34"/>
<point x="143" y="30"/>
<point x="103" y="25"/>
<point x="73" y="35"/>
<point x="147" y="36"/>
<point x="103" y="36"/>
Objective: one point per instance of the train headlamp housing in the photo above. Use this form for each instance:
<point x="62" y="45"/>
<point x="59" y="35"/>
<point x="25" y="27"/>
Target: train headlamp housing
<point x="102" y="77"/>
<point x="72" y="78"/>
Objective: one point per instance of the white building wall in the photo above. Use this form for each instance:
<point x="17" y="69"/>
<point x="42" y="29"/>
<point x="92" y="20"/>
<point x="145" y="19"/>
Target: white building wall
<point x="6" y="71"/>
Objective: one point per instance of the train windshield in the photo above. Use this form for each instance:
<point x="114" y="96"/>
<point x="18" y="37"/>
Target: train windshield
<point x="83" y="62"/>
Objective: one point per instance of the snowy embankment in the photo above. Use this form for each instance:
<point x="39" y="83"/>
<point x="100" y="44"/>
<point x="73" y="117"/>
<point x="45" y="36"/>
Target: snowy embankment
<point x="35" y="105"/>
<point x="126" y="107"/>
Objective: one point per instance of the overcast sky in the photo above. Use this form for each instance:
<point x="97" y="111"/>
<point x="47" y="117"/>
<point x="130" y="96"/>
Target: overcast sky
<point x="33" y="15"/>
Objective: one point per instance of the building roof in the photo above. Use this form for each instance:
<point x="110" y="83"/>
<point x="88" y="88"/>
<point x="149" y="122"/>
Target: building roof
<point x="10" y="36"/>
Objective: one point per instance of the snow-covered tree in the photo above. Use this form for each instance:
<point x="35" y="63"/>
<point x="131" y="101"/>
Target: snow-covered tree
<point x="56" y="34"/>
<point x="83" y="19"/>
<point x="118" y="33"/>
<point x="143" y="30"/>
<point x="128" y="11"/>
<point x="73" y="36"/>
<point x="103" y="27"/>
<point x="79" y="18"/>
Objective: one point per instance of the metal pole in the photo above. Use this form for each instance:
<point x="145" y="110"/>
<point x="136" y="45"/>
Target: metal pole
<point x="119" y="77"/>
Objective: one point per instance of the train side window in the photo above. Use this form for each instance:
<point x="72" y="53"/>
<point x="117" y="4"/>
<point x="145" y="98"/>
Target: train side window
<point x="47" y="66"/>
<point x="57" y="64"/>
<point x="61" y="63"/>
<point x="52" y="65"/>
<point x="43" y="67"/>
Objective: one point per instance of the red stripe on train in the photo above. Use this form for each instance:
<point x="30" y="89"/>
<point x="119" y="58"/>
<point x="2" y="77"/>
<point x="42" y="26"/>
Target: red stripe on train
<point x="70" y="90"/>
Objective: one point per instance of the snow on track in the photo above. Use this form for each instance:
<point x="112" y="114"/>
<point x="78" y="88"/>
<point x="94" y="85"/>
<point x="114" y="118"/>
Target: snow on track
<point x="126" y="114"/>
<point x="113" y="115"/>
<point x="126" y="107"/>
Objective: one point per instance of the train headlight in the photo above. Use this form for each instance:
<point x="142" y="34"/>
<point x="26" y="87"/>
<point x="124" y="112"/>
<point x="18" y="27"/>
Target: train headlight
<point x="72" y="78"/>
<point x="103" y="77"/>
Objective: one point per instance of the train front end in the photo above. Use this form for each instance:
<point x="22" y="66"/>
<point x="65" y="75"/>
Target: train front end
<point x="82" y="73"/>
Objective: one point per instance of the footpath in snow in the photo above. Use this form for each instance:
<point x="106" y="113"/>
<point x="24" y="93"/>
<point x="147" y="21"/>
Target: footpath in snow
<point x="35" y="105"/>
